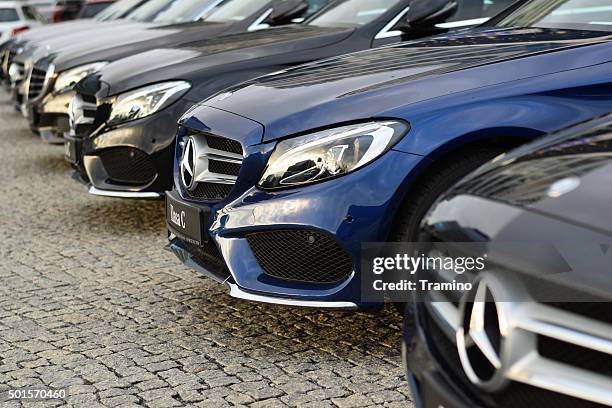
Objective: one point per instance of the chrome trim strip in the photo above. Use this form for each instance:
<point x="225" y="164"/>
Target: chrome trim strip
<point x="123" y="194"/>
<point x="386" y="32"/>
<point x="463" y="23"/>
<point x="258" y="24"/>
<point x="238" y="293"/>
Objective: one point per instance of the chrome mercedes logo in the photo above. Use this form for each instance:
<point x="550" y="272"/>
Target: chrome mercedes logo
<point x="187" y="164"/>
<point x="480" y="339"/>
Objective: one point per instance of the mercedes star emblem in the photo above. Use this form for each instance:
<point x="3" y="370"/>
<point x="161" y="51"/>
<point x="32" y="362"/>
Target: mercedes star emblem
<point x="188" y="164"/>
<point x="479" y="338"/>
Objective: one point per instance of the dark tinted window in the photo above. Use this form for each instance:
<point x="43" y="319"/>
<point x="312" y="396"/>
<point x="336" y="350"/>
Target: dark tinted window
<point x="119" y="9"/>
<point x="353" y="12"/>
<point x="568" y="14"/>
<point x="8" y="14"/>
<point x="90" y="10"/>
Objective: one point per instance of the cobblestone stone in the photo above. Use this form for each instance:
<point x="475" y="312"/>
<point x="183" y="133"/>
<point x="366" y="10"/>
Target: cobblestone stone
<point x="90" y="302"/>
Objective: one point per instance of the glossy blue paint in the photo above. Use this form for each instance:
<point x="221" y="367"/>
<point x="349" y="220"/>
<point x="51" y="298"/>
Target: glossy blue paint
<point x="509" y="83"/>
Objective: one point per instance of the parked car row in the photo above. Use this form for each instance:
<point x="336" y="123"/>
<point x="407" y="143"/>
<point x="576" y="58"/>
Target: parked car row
<point x="287" y="134"/>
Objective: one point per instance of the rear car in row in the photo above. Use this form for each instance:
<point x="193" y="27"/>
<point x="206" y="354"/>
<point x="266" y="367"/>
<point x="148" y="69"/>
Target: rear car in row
<point x="48" y="85"/>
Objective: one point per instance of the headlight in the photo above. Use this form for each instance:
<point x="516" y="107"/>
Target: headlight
<point x="15" y="73"/>
<point x="68" y="79"/>
<point x="146" y="101"/>
<point x="329" y="153"/>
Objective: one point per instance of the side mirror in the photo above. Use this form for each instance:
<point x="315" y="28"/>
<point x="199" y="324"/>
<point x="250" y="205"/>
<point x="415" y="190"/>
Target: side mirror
<point x="428" y="13"/>
<point x="286" y="11"/>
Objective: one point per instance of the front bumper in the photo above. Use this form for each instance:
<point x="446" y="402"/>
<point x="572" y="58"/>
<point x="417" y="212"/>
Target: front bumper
<point x="351" y="210"/>
<point x="132" y="160"/>
<point x="49" y="116"/>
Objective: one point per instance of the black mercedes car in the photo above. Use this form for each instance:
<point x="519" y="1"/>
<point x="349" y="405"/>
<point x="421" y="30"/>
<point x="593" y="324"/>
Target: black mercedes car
<point x="124" y="117"/>
<point x="115" y="14"/>
<point x="54" y="70"/>
<point x="535" y="327"/>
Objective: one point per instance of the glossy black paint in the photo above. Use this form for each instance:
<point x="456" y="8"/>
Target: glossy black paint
<point x="216" y="64"/>
<point x="514" y="198"/>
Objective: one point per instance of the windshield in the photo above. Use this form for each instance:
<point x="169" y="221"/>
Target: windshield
<point x="234" y="10"/>
<point x="118" y="9"/>
<point x="186" y="10"/>
<point x="352" y="13"/>
<point x="567" y="14"/>
<point x="150" y="10"/>
<point x="8" y="14"/>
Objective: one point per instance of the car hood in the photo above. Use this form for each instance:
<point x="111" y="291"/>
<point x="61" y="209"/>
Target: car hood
<point x="132" y="41"/>
<point x="381" y="82"/>
<point x="49" y="31"/>
<point x="99" y="37"/>
<point x="197" y="59"/>
<point x="566" y="175"/>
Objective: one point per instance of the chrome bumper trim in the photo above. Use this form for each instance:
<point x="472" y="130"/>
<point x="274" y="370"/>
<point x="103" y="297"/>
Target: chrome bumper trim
<point x="238" y="293"/>
<point x="123" y="194"/>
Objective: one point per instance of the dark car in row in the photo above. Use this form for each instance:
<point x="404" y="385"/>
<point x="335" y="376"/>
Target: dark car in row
<point x="49" y="81"/>
<point x="276" y="199"/>
<point x="124" y="145"/>
<point x="535" y="329"/>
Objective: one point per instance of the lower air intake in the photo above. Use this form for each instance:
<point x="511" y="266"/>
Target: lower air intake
<point x="300" y="255"/>
<point x="128" y="166"/>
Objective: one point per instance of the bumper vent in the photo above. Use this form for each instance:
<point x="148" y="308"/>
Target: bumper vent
<point x="128" y="166"/>
<point x="300" y="255"/>
<point x="37" y="75"/>
<point x="216" y="168"/>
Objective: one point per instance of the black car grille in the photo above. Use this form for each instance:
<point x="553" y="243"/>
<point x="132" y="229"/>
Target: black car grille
<point x="300" y="255"/>
<point x="37" y="79"/>
<point x="223" y="165"/>
<point x="224" y="144"/>
<point x="212" y="191"/>
<point x="575" y="356"/>
<point x="125" y="165"/>
<point x="514" y="395"/>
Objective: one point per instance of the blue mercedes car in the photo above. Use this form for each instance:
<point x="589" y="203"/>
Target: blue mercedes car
<point x="317" y="160"/>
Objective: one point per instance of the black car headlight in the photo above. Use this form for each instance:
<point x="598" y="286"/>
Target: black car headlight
<point x="329" y="153"/>
<point x="146" y="101"/>
<point x="68" y="79"/>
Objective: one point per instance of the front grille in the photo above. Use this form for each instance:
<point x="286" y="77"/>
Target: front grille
<point x="576" y="356"/>
<point x="515" y="395"/>
<point x="212" y="191"/>
<point x="126" y="165"/>
<point x="82" y="114"/>
<point x="300" y="255"/>
<point x="37" y="74"/>
<point x="218" y="163"/>
<point x="222" y="167"/>
<point x="224" y="144"/>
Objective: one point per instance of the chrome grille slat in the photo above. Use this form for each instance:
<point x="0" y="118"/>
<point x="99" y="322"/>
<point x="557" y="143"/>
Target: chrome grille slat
<point x="38" y="76"/>
<point x="213" y="182"/>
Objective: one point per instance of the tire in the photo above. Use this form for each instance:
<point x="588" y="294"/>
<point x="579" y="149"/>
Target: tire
<point x="425" y="193"/>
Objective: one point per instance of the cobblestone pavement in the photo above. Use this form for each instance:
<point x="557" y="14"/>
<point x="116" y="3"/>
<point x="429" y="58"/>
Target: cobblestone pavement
<point x="90" y="302"/>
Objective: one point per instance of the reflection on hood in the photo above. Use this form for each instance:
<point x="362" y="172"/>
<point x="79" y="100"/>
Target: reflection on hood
<point x="526" y="179"/>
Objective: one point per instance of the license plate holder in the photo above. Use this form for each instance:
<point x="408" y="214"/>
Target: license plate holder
<point x="185" y="220"/>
